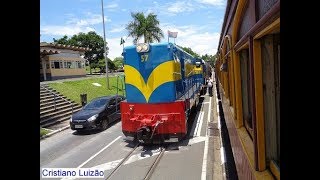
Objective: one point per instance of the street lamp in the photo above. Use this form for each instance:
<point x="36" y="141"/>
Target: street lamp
<point x="104" y="43"/>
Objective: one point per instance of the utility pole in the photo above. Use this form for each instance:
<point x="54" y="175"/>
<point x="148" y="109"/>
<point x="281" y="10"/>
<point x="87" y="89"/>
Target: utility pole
<point x="104" y="42"/>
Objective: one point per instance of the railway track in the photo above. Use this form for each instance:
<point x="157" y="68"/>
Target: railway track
<point x="162" y="149"/>
<point x="150" y="169"/>
<point x="154" y="164"/>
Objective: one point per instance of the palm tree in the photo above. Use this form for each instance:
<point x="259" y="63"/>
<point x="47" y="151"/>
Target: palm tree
<point x="148" y="27"/>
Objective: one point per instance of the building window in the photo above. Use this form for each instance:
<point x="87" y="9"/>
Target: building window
<point x="246" y="81"/>
<point x="52" y="65"/>
<point x="73" y="65"/>
<point x="69" y="64"/>
<point x="56" y="65"/>
<point x="61" y="64"/>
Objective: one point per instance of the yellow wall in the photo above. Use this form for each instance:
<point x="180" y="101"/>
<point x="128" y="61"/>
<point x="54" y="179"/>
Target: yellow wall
<point x="66" y="71"/>
<point x="57" y="58"/>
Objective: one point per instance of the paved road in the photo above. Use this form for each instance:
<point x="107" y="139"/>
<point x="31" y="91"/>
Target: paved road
<point x="195" y="158"/>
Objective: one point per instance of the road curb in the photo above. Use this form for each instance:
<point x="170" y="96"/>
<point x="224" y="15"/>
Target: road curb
<point x="54" y="132"/>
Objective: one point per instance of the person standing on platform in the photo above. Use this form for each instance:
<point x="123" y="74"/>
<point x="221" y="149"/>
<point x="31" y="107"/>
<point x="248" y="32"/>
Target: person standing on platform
<point x="210" y="85"/>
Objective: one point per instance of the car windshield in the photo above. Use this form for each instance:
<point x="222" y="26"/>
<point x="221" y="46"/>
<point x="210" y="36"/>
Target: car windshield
<point x="96" y="104"/>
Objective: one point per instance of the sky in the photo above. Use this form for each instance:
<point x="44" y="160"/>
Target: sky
<point x="198" y="22"/>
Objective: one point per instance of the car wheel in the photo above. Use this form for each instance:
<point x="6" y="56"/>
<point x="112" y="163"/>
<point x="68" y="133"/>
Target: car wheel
<point x="104" y="124"/>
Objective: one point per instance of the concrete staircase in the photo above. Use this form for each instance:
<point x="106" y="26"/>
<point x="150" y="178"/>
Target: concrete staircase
<point x="54" y="107"/>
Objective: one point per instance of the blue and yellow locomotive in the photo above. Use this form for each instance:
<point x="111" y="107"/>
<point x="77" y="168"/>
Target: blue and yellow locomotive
<point x="163" y="84"/>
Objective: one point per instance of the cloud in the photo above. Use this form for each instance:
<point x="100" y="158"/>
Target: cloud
<point x="57" y="30"/>
<point x="150" y="11"/>
<point x="95" y="19"/>
<point x="174" y="8"/>
<point x="112" y="6"/>
<point x="118" y="29"/>
<point x="204" y="43"/>
<point x="115" y="49"/>
<point x="91" y="19"/>
<point x="195" y="37"/>
<point x="179" y="7"/>
<point x="73" y="25"/>
<point x="212" y="2"/>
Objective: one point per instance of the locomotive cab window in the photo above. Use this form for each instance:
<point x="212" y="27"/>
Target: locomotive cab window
<point x="198" y="64"/>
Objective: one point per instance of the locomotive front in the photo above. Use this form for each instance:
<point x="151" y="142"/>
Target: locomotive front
<point x="153" y="111"/>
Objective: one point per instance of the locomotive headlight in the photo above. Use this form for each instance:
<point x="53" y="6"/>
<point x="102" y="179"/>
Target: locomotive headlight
<point x="145" y="47"/>
<point x="142" y="47"/>
<point x="139" y="48"/>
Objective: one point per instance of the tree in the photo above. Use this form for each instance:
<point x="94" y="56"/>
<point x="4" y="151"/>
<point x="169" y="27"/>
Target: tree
<point x="102" y="65"/>
<point x="147" y="27"/>
<point x="90" y="40"/>
<point x="209" y="58"/>
<point x="118" y="62"/>
<point x="63" y="40"/>
<point x="189" y="50"/>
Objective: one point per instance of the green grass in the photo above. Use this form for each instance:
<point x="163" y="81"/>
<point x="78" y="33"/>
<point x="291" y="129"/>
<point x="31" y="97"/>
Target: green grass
<point x="43" y="132"/>
<point x="73" y="89"/>
<point x="96" y="70"/>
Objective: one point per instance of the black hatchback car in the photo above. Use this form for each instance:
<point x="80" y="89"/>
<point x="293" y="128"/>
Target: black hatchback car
<point x="97" y="114"/>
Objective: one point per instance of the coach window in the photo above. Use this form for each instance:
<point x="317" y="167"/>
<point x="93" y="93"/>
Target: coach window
<point x="230" y="79"/>
<point x="270" y="54"/>
<point x="227" y="73"/>
<point x="246" y="79"/>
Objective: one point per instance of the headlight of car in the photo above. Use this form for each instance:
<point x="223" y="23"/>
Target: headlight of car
<point x="94" y="117"/>
<point x="71" y="119"/>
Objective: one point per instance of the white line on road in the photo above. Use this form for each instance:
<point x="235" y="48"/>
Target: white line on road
<point x="138" y="157"/>
<point x="222" y="155"/>
<point x="222" y="152"/>
<point x="206" y="142"/>
<point x="209" y="113"/>
<point x="199" y="124"/>
<point x="99" y="152"/>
